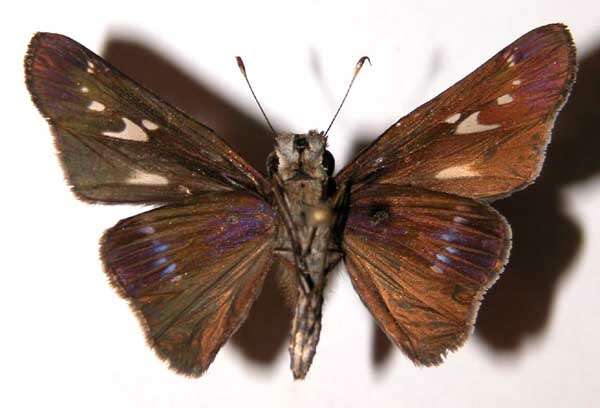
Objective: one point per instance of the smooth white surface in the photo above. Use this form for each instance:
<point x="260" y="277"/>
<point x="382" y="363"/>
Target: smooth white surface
<point x="68" y="340"/>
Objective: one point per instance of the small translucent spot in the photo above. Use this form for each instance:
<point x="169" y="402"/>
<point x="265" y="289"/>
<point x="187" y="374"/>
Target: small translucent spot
<point x="96" y="106"/>
<point x="184" y="189"/>
<point x="504" y="99"/>
<point x="149" y="124"/>
<point x="516" y="82"/>
<point x="84" y="89"/>
<point x="453" y="118"/>
<point x="511" y="60"/>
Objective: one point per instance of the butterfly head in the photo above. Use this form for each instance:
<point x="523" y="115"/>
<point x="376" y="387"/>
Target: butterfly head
<point x="301" y="156"/>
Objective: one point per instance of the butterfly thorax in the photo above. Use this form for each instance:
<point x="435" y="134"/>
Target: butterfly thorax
<point x="301" y="168"/>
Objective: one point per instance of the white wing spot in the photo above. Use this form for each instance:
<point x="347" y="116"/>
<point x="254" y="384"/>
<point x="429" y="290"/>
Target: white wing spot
<point x="471" y="125"/>
<point x="130" y="132"/>
<point x="511" y="60"/>
<point x="96" y="106"/>
<point x="462" y="171"/>
<point x="149" y="124"/>
<point x="84" y="89"/>
<point x="504" y="99"/>
<point x="453" y="118"/>
<point x="398" y="124"/>
<point x="185" y="190"/>
<point x="141" y="177"/>
<point x="90" y="68"/>
<point x="516" y="82"/>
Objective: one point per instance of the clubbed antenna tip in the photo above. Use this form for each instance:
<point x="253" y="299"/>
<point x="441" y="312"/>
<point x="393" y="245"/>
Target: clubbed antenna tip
<point x="357" y="69"/>
<point x="242" y="68"/>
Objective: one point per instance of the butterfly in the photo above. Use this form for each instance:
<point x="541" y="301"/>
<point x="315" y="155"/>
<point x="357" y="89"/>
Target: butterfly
<point x="409" y="216"/>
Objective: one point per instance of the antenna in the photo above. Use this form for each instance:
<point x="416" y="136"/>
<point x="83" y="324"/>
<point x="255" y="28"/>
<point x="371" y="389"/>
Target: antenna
<point x="243" y="69"/>
<point x="357" y="68"/>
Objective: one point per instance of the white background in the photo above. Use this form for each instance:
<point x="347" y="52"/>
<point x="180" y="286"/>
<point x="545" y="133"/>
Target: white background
<point x="68" y="340"/>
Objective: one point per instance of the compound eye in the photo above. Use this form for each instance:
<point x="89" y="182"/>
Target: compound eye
<point x="328" y="162"/>
<point x="272" y="164"/>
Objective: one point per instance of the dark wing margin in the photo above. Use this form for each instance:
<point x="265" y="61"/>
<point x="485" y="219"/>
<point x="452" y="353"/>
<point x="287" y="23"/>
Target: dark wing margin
<point x="421" y="262"/>
<point x="485" y="137"/>
<point x="118" y="142"/>
<point x="191" y="272"/>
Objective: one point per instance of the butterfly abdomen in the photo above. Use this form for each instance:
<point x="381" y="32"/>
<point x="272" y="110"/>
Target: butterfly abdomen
<point x="306" y="329"/>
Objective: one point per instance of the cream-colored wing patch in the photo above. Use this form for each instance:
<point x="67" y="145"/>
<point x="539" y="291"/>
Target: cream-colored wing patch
<point x="462" y="171"/>
<point x="504" y="99"/>
<point x="453" y="118"/>
<point x="96" y="106"/>
<point x="471" y="124"/>
<point x="130" y="132"/>
<point x="148" y="124"/>
<point x="142" y="177"/>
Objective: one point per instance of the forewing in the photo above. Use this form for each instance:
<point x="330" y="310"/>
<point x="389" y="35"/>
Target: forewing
<point x="421" y="261"/>
<point x="118" y="142"/>
<point x="485" y="137"/>
<point x="192" y="272"/>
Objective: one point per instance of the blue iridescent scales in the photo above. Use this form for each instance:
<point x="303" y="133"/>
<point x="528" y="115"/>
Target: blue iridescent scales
<point x="422" y="259"/>
<point x="190" y="269"/>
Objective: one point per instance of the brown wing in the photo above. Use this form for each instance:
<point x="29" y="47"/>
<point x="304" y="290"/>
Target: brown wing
<point x="421" y="261"/>
<point x="485" y="137"/>
<point x="191" y="272"/>
<point x="117" y="141"/>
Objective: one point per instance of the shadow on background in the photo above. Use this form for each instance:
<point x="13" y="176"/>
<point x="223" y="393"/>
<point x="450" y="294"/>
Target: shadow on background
<point x="546" y="239"/>
<point x="265" y="331"/>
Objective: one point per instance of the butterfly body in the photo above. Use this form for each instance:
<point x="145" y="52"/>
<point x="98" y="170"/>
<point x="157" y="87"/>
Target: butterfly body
<point x="409" y="216"/>
<point x="300" y="173"/>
